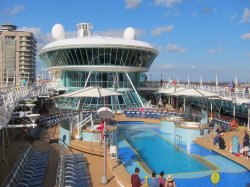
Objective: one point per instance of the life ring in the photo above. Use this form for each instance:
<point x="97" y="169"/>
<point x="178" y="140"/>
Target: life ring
<point x="234" y="124"/>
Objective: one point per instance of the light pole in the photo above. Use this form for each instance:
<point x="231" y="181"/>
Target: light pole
<point x="105" y="113"/>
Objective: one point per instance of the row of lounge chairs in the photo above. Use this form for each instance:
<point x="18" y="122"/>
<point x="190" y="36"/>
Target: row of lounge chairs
<point x="150" y="114"/>
<point x="72" y="171"/>
<point x="33" y="133"/>
<point x="225" y="125"/>
<point x="29" y="170"/>
<point x="53" y="119"/>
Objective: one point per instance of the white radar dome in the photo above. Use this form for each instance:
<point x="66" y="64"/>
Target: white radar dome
<point x="129" y="33"/>
<point x="58" y="32"/>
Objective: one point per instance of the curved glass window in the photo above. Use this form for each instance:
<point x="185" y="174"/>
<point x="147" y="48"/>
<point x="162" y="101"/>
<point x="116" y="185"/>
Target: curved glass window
<point x="75" y="79"/>
<point x="98" y="56"/>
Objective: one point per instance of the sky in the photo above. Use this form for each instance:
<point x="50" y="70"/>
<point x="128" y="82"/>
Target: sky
<point x="195" y="38"/>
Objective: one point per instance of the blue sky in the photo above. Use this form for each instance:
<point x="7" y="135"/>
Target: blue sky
<point x="193" y="37"/>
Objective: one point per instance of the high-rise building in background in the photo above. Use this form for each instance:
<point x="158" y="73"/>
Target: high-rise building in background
<point x="17" y="56"/>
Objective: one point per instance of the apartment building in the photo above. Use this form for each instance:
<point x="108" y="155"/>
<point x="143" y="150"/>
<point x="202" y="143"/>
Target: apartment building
<point x="17" y="56"/>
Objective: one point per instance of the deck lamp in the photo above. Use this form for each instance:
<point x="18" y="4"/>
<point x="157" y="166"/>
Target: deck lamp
<point x="105" y="113"/>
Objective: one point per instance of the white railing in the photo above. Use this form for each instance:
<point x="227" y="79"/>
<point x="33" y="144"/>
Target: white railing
<point x="12" y="95"/>
<point x="84" y="122"/>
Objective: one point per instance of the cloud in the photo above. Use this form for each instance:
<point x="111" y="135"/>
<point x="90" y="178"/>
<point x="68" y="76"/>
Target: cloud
<point x="208" y="10"/>
<point x="111" y="33"/>
<point x="118" y="33"/>
<point x="42" y="38"/>
<point x="194" y="14"/>
<point x="14" y="10"/>
<point x="168" y="3"/>
<point x="233" y="17"/>
<point x="160" y="30"/>
<point x="192" y="67"/>
<point x="132" y="3"/>
<point x="162" y="67"/>
<point x="45" y="38"/>
<point x="215" y="51"/>
<point x="173" y="48"/>
<point x="246" y="16"/>
<point x="245" y="36"/>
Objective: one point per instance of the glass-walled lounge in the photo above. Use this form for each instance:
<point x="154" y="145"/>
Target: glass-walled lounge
<point x="75" y="79"/>
<point x="99" y="56"/>
<point x="128" y="99"/>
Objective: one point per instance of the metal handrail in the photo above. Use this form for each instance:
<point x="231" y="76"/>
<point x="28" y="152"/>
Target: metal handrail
<point x="178" y="140"/>
<point x="83" y="122"/>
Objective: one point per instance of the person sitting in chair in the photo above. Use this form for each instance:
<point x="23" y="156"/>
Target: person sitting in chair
<point x="216" y="139"/>
<point x="222" y="144"/>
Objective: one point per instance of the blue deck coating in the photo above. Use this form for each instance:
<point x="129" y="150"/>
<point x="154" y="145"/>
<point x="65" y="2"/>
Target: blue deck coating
<point x="231" y="173"/>
<point x="129" y="158"/>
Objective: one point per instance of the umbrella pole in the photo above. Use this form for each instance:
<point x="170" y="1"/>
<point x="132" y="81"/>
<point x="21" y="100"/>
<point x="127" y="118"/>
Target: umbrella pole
<point x="184" y="104"/>
<point x="211" y="110"/>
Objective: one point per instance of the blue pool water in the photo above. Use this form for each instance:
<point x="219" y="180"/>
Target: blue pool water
<point x="153" y="144"/>
<point x="160" y="154"/>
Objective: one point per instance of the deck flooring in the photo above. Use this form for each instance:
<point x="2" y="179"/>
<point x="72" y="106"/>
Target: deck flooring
<point x="115" y="171"/>
<point x="207" y="142"/>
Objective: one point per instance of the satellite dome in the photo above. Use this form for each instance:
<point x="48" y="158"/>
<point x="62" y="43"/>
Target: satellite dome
<point x="58" y="32"/>
<point x="129" y="33"/>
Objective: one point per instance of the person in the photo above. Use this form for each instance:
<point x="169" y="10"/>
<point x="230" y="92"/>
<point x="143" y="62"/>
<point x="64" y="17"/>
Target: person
<point x="219" y="130"/>
<point x="222" y="144"/>
<point x="246" y="144"/>
<point x="170" y="181"/>
<point x="101" y="128"/>
<point x="135" y="179"/>
<point x="161" y="180"/>
<point x="216" y="139"/>
<point x="154" y="182"/>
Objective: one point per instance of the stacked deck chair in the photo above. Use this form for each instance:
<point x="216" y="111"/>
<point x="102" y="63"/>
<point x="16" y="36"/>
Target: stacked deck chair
<point x="72" y="171"/>
<point x="33" y="133"/>
<point x="29" y="170"/>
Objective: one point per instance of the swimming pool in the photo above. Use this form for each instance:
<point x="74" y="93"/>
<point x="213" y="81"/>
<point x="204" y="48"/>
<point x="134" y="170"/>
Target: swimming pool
<point x="158" y="153"/>
<point x="150" y="147"/>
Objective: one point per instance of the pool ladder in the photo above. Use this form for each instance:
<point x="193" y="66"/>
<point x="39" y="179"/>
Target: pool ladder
<point x="178" y="140"/>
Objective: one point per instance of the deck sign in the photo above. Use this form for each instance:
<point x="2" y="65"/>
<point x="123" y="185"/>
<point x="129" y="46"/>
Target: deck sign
<point x="215" y="178"/>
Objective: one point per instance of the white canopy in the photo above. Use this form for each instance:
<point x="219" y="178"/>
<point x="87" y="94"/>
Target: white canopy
<point x="91" y="92"/>
<point x="195" y="92"/>
<point x="171" y="90"/>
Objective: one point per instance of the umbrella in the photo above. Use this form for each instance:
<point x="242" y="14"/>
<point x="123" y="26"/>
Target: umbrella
<point x="171" y="90"/>
<point x="194" y="92"/>
<point x="91" y="92"/>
